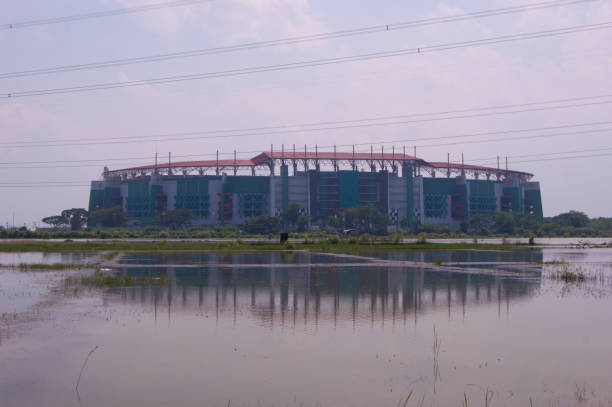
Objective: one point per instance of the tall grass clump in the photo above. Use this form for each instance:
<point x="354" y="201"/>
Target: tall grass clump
<point x="333" y="239"/>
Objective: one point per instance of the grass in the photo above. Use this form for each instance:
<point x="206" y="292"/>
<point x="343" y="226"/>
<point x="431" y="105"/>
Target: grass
<point x="109" y="256"/>
<point x="332" y="245"/>
<point x="104" y="281"/>
<point x="569" y="275"/>
<point x="51" y="266"/>
<point x="554" y="262"/>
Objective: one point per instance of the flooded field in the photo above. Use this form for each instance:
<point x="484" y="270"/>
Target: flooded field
<point x="436" y="328"/>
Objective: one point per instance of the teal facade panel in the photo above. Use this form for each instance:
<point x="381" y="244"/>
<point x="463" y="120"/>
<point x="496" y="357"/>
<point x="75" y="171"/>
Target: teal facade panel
<point x="348" y="189"/>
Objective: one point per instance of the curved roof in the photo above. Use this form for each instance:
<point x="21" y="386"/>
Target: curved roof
<point x="470" y="167"/>
<point x="267" y="158"/>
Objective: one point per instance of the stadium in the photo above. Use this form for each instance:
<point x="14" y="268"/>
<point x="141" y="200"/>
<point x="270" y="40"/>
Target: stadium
<point x="410" y="190"/>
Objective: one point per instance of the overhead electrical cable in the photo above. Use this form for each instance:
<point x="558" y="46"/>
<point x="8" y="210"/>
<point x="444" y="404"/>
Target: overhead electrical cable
<point x="99" y="14"/>
<point x="88" y="183"/>
<point x="344" y="124"/>
<point x="492" y="159"/>
<point x="291" y="40"/>
<point x="486" y="140"/>
<point x="312" y="63"/>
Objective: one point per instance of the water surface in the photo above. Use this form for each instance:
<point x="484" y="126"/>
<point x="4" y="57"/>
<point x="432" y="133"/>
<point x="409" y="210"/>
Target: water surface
<point x="309" y="333"/>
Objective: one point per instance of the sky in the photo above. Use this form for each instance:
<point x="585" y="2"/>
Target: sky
<point x="43" y="171"/>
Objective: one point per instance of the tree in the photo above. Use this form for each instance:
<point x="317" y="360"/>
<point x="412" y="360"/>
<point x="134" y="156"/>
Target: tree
<point x="262" y="225"/>
<point x="291" y="213"/>
<point x="366" y="219"/>
<point x="302" y="222"/>
<point x="175" y="219"/>
<point x="478" y="225"/>
<point x="108" y="218"/>
<point x="75" y="217"/>
<point x="504" y="223"/>
<point x="572" y="218"/>
<point x="55" y="221"/>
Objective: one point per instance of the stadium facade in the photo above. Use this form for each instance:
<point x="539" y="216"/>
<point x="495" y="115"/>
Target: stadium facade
<point x="410" y="190"/>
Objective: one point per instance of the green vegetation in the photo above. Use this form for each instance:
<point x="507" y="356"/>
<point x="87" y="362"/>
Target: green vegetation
<point x="76" y="218"/>
<point x="570" y="224"/>
<point x="568" y="274"/>
<point x="108" y="218"/>
<point x="175" y="219"/>
<point x="262" y="225"/>
<point x="99" y="280"/>
<point x="51" y="266"/>
<point x="365" y="219"/>
<point x="109" y="256"/>
<point x="331" y="244"/>
<point x="292" y="213"/>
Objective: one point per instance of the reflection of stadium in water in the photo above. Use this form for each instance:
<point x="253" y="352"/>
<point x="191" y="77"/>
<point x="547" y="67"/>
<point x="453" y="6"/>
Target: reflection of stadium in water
<point x="311" y="295"/>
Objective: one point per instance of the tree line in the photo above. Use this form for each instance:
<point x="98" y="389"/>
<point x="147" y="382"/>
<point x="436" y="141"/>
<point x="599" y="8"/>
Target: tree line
<point x="360" y="220"/>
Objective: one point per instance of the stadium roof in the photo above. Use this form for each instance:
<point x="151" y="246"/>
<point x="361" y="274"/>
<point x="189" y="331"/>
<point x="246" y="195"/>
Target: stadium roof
<point x="271" y="157"/>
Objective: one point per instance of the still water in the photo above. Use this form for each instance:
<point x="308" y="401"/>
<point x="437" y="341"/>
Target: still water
<point x="298" y="329"/>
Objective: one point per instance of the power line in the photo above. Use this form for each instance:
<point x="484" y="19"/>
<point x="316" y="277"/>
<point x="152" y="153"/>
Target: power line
<point x="530" y="137"/>
<point x="100" y="14"/>
<point x="292" y="40"/>
<point x="87" y="183"/>
<point x="313" y="63"/>
<point x="487" y="140"/>
<point x="465" y="135"/>
<point x="551" y="104"/>
<point x="492" y="159"/>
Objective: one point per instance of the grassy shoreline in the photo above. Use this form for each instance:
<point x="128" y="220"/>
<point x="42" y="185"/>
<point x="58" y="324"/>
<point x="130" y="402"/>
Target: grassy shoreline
<point x="237" y="246"/>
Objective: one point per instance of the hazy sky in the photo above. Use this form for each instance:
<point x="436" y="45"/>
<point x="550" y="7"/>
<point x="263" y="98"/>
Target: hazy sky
<point x="559" y="67"/>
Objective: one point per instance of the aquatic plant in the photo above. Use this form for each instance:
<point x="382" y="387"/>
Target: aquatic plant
<point x="569" y="275"/>
<point x="51" y="266"/>
<point x="109" y="256"/>
<point x="436" y="357"/>
<point x="531" y="240"/>
<point x="99" y="280"/>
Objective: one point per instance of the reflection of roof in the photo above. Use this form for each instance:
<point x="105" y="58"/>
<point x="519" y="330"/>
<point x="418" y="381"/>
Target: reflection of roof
<point x="266" y="158"/>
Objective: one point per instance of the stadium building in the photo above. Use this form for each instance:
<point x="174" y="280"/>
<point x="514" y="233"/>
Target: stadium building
<point x="409" y="189"/>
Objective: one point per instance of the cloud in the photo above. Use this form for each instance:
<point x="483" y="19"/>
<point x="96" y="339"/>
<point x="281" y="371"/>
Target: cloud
<point x="232" y="20"/>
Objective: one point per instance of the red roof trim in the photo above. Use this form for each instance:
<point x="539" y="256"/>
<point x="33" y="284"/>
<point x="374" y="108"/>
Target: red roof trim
<point x="265" y="157"/>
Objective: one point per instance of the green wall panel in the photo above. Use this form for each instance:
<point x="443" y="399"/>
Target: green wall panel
<point x="348" y="189"/>
<point x="533" y="202"/>
<point x="96" y="199"/>
<point x="512" y="200"/>
<point x="246" y="184"/>
<point x="192" y="194"/>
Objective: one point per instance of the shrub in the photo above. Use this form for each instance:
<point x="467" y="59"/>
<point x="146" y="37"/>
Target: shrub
<point x="365" y="239"/>
<point x="422" y="238"/>
<point x="333" y="239"/>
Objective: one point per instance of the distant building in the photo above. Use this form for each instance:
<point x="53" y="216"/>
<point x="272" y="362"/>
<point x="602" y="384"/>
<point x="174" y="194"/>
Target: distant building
<point x="407" y="188"/>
